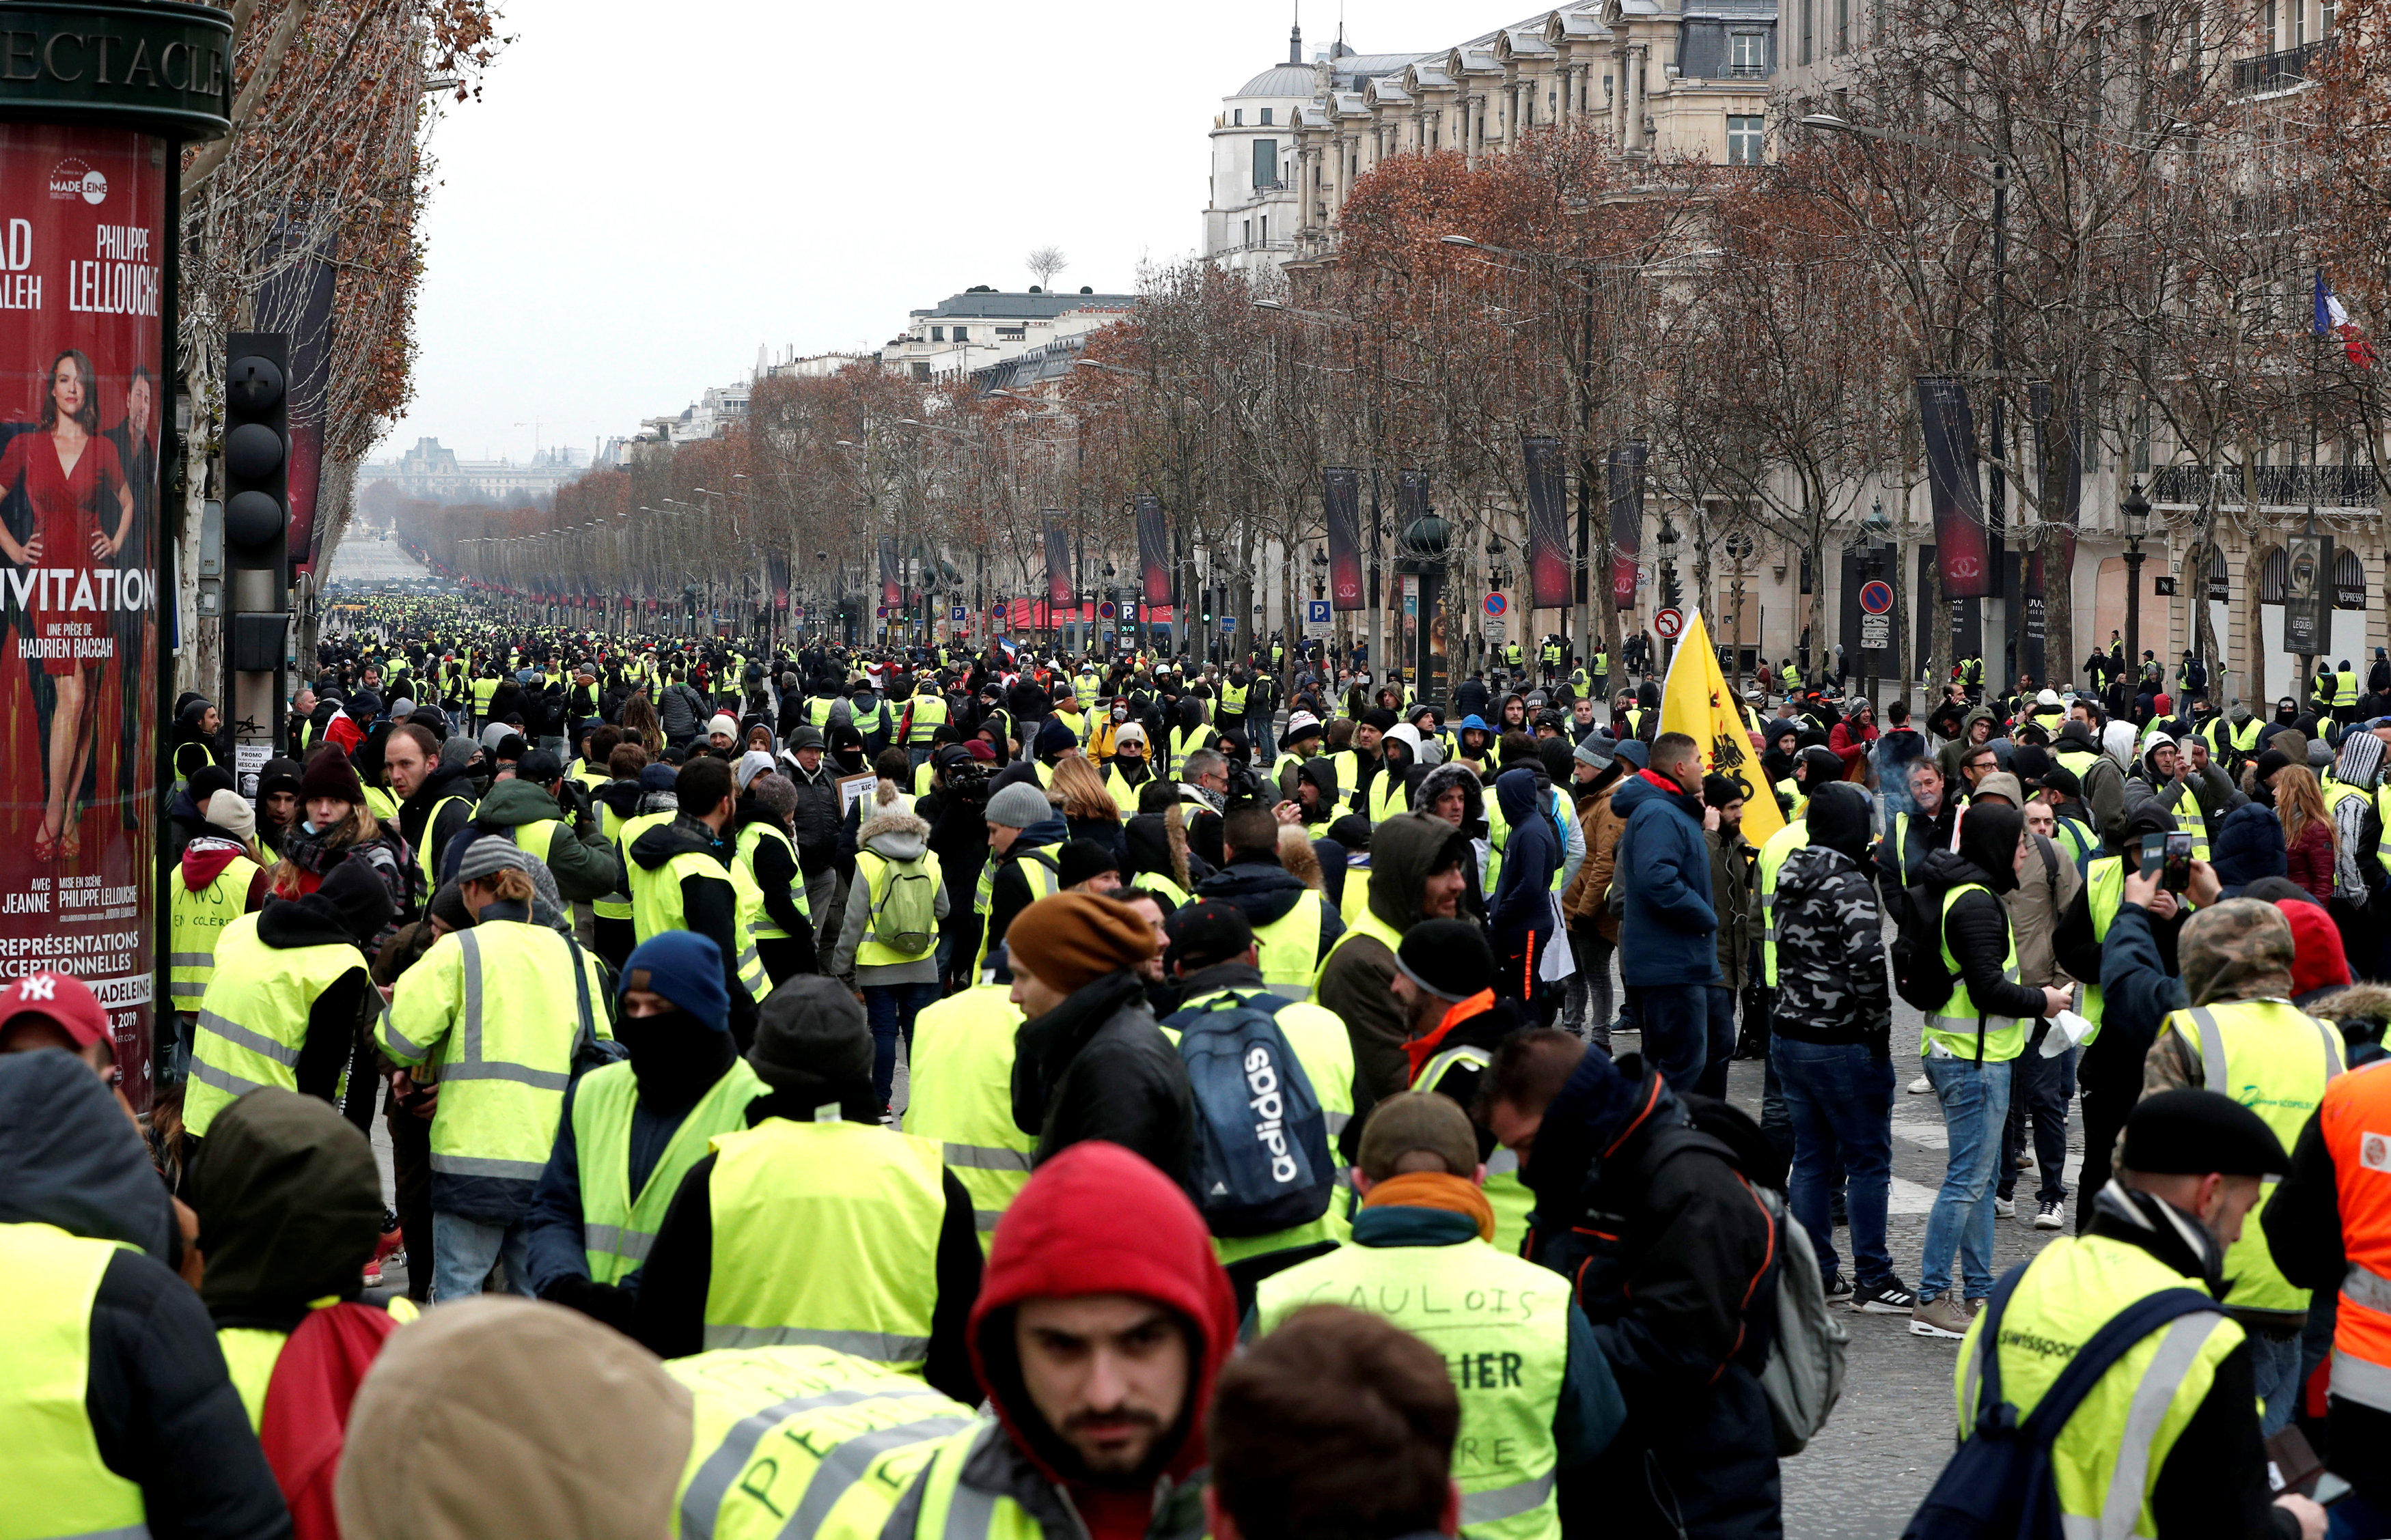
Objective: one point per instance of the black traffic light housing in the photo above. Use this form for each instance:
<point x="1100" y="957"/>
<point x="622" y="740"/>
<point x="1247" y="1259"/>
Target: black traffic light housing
<point x="257" y="497"/>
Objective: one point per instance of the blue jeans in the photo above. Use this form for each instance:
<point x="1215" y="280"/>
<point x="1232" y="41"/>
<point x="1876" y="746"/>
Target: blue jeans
<point x="463" y="1251"/>
<point x="1719" y="1047"/>
<point x="1675" y="1020"/>
<point x="1841" y="1101"/>
<point x="2037" y="1090"/>
<point x="892" y="1008"/>
<point x="2275" y="1375"/>
<point x="1975" y="1107"/>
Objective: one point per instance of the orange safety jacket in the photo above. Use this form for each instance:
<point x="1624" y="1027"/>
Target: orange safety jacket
<point x="2356" y="1121"/>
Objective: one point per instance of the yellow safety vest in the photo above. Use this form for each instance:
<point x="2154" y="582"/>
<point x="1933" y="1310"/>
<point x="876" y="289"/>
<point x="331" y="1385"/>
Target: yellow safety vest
<point x="2265" y="1054"/>
<point x="656" y="907"/>
<point x="483" y="689"/>
<point x="494" y="1010"/>
<point x="250" y="1354"/>
<point x="615" y="905"/>
<point x="1357" y="892"/>
<point x="928" y="714"/>
<point x="2345" y="687"/>
<point x="874" y="869"/>
<point x="57" y="1484"/>
<point x="1288" y="947"/>
<point x="802" y="1442"/>
<point x="1038" y="868"/>
<point x="194" y="919"/>
<point x="1958" y="1026"/>
<point x="1773" y="852"/>
<point x="1500" y="1325"/>
<point x="2104" y="893"/>
<point x="1233" y="699"/>
<point x="635" y="876"/>
<point x="962" y="1070"/>
<point x="619" y="1227"/>
<point x="2075" y="1287"/>
<point x="1506" y="1193"/>
<point x="1367" y="923"/>
<point x="751" y="836"/>
<point x="826" y="1234"/>
<point x="253" y="1017"/>
<point x="1183" y="742"/>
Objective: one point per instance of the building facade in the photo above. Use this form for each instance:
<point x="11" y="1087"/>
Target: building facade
<point x="431" y="472"/>
<point x="965" y="333"/>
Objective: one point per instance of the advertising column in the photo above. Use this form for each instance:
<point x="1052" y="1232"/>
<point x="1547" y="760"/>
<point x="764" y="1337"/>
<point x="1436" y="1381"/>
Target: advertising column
<point x="95" y="102"/>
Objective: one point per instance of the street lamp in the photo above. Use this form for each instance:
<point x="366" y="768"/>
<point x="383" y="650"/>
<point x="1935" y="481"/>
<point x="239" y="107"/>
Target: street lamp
<point x="2137" y="509"/>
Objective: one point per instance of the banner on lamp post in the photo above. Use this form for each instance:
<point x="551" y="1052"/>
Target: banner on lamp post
<point x="1960" y="540"/>
<point x="1340" y="500"/>
<point x="1153" y="549"/>
<point x="1623" y="480"/>
<point x="1059" y="588"/>
<point x="1549" y="575"/>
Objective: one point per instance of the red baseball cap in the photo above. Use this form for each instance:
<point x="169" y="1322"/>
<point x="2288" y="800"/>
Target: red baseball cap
<point x="62" y="998"/>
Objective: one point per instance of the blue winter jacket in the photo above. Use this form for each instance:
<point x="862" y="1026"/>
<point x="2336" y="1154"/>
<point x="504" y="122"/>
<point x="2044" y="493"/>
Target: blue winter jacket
<point x="1668" y="931"/>
<point x="1532" y="853"/>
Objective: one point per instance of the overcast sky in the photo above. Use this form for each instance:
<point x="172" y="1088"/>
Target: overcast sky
<point x="645" y="195"/>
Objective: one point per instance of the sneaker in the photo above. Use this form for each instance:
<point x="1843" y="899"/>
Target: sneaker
<point x="2005" y="1207"/>
<point x="1892" y="1299"/>
<point x="1945" y="1315"/>
<point x="2051" y="1214"/>
<point x="1838" y="1287"/>
<point x="2025" y="1161"/>
<point x="1921" y="1086"/>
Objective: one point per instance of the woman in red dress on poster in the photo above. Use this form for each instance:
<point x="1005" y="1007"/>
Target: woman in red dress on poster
<point x="72" y="480"/>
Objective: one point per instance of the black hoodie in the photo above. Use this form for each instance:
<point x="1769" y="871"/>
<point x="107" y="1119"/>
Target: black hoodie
<point x="1266" y="892"/>
<point x="162" y="1411"/>
<point x="1976" y="927"/>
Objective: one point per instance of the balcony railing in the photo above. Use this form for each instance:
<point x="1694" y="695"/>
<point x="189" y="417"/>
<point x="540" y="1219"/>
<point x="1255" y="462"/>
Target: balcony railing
<point x="2284" y="67"/>
<point x="1747" y="72"/>
<point x="2277" y="486"/>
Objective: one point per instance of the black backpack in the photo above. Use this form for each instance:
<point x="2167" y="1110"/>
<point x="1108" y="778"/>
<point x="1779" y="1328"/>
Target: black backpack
<point x="1999" y="1484"/>
<point x="1918" y="976"/>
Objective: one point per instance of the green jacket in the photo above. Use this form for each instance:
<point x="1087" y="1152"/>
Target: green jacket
<point x="581" y="860"/>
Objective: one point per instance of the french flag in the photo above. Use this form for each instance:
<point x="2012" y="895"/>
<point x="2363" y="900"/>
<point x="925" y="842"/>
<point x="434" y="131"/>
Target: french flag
<point x="2332" y="320"/>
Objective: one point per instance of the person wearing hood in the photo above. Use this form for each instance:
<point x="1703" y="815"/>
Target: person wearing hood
<point x="1519" y="910"/>
<point x="897" y="981"/>
<point x="815" y="823"/>
<point x="1419" y="865"/>
<point x="1100" y="1329"/>
<point x="288" y="1000"/>
<point x="1855" y="736"/>
<point x="124" y="1418"/>
<point x="217" y="879"/>
<point x="2079" y="749"/>
<point x="1588" y="1008"/>
<point x="779" y="915"/>
<point x="1475" y="746"/>
<point x="814" y="1222"/>
<point x="1425" y="1229"/>
<point x="532" y="810"/>
<point x="2193" y="1462"/>
<point x="1675" y="1267"/>
<point x="2162" y="776"/>
<point x="1969" y="1044"/>
<point x="1668" y="942"/>
<point x="289" y="1201"/>
<point x="198" y="729"/>
<point x="438" y="804"/>
<point x="1832" y="1048"/>
<point x="630" y="1130"/>
<point x="498" y="1012"/>
<point x="1295" y="926"/>
<point x="1090" y="1062"/>
<point x="2235" y="1026"/>
<point x="684" y="877"/>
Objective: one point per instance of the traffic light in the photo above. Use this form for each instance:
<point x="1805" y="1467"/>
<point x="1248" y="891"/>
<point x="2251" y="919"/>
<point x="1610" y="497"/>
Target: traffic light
<point x="257" y="498"/>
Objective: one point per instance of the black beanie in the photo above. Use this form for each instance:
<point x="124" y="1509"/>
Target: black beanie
<point x="1837" y="820"/>
<point x="1718" y="790"/>
<point x="1450" y="958"/>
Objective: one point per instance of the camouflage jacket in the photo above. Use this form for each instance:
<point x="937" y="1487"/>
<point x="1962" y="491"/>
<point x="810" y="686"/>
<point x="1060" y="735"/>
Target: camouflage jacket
<point x="1832" y="986"/>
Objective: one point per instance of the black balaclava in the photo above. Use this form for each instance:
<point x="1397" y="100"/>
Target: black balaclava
<point x="1988" y="837"/>
<point x="675" y="1056"/>
<point x="1839" y="819"/>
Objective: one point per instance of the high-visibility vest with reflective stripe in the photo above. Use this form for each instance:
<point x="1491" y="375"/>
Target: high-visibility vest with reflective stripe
<point x="870" y="721"/>
<point x="1288" y="948"/>
<point x="2345" y="687"/>
<point x="2104" y="893"/>
<point x="1357" y="891"/>
<point x="2276" y="1060"/>
<point x="253" y="1017"/>
<point x="1184" y="742"/>
<point x="2079" y="762"/>
<point x="615" y="905"/>
<point x="826" y="1234"/>
<point x="1367" y="924"/>
<point x="1170" y="891"/>
<point x="494" y="1010"/>
<point x="483" y="689"/>
<point x="1958" y="1026"/>
<point x="1498" y="837"/>
<point x="1500" y="1325"/>
<point x="2189" y="820"/>
<point x="1388" y="796"/>
<point x="1773" y="852"/>
<point x="802" y="1443"/>
<point x="616" y="1227"/>
<point x="1321" y="1044"/>
<point x="1124" y="795"/>
<point x="962" y="1078"/>
<point x="657" y="906"/>
<point x="636" y="876"/>
<point x="1086" y="688"/>
<point x="194" y="918"/>
<point x="2356" y="1122"/>
<point x="1233" y="699"/>
<point x="928" y="714"/>
<point x="872" y="868"/>
<point x="57" y="1484"/>
<point x="2106" y="1460"/>
<point x="1506" y="1193"/>
<point x="1038" y="868"/>
<point x="948" y="1510"/>
<point x="743" y="856"/>
<point x="428" y="858"/>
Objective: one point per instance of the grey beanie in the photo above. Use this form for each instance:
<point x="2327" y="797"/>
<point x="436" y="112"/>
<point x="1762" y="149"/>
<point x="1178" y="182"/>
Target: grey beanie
<point x="752" y="764"/>
<point x="1019" y="805"/>
<point x="494" y="735"/>
<point x="1598" y="750"/>
<point x="458" y="752"/>
<point x="811" y="1032"/>
<point x="490" y="855"/>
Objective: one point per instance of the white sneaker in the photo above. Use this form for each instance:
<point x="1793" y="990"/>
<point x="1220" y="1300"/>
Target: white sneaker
<point x="1921" y="1086"/>
<point x="2050" y="1217"/>
<point x="2005" y="1207"/>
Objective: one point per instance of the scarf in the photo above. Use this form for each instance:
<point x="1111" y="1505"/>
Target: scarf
<point x="1435" y="1189"/>
<point x="1419" y="1050"/>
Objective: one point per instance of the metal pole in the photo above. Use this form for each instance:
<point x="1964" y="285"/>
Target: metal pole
<point x="2005" y="613"/>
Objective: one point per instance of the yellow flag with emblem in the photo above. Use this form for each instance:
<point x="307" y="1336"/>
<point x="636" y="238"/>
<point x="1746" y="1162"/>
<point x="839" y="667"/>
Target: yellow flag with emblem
<point x="1696" y="701"/>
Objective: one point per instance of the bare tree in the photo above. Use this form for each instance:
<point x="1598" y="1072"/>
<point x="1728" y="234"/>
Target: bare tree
<point x="1044" y="262"/>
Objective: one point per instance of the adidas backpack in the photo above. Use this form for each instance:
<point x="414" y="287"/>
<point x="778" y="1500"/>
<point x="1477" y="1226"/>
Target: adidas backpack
<point x="1263" y="1161"/>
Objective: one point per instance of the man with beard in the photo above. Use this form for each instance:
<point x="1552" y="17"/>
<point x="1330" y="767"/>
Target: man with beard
<point x="631" y="1130"/>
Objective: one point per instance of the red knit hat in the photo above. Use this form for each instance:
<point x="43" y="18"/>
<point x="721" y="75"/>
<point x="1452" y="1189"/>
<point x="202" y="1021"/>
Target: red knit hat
<point x="2318" y="960"/>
